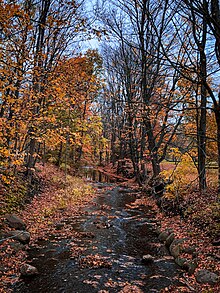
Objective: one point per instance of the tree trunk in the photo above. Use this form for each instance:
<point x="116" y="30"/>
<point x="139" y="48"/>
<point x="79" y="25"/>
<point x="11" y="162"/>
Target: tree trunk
<point x="30" y="158"/>
<point x="217" y="117"/>
<point x="59" y="154"/>
<point x="37" y="79"/>
<point x="202" y="75"/>
<point x="202" y="148"/>
<point x="152" y="147"/>
<point x="202" y="128"/>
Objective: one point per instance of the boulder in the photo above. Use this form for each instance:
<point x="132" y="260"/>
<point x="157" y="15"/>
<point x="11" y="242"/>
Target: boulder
<point x="16" y="246"/>
<point x="189" y="250"/>
<point x="182" y="262"/>
<point x="186" y="264"/>
<point x="146" y="259"/>
<point x="191" y="266"/>
<point x="176" y="247"/>
<point x="207" y="277"/>
<point x="27" y="270"/>
<point x="164" y="235"/>
<point x="15" y="222"/>
<point x="163" y="251"/>
<point x="21" y="236"/>
<point x="175" y="250"/>
<point x="158" y="231"/>
<point x="169" y="239"/>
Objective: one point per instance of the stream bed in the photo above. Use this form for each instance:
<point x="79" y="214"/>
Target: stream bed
<point x="105" y="251"/>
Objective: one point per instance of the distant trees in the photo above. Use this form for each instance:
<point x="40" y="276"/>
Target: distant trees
<point x="165" y="57"/>
<point x="148" y="90"/>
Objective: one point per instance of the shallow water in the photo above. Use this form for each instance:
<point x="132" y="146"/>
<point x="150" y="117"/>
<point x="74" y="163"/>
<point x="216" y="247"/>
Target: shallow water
<point x="107" y="255"/>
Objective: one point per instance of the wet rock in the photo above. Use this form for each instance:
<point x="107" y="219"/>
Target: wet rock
<point x="182" y="262"/>
<point x="100" y="185"/>
<point x="163" y="251"/>
<point x="176" y="247"/>
<point x="27" y="270"/>
<point x="17" y="246"/>
<point x="164" y="235"/>
<point x="21" y="236"/>
<point x="15" y="222"/>
<point x="146" y="259"/>
<point x="175" y="251"/>
<point x="191" y="266"/>
<point x="157" y="280"/>
<point x="158" y="231"/>
<point x="207" y="277"/>
<point x="189" y="249"/>
<point x="169" y="239"/>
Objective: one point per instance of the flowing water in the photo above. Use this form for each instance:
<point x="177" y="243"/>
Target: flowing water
<point x="107" y="254"/>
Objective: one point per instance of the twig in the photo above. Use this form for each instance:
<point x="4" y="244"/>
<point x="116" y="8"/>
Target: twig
<point x="188" y="285"/>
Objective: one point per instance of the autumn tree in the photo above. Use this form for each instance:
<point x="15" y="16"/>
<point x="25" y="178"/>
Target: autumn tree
<point x="34" y="36"/>
<point x="210" y="11"/>
<point x="76" y="130"/>
<point x="187" y="45"/>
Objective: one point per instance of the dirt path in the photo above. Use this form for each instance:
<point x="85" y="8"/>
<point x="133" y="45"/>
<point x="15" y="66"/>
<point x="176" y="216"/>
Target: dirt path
<point x="104" y="250"/>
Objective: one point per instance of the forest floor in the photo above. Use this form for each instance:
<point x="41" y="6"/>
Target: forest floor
<point x="68" y="197"/>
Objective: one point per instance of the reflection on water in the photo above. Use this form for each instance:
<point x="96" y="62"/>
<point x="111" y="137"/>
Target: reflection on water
<point x="93" y="174"/>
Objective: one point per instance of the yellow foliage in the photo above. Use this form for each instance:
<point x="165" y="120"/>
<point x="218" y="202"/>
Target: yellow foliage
<point x="181" y="177"/>
<point x="5" y="179"/>
<point x="74" y="190"/>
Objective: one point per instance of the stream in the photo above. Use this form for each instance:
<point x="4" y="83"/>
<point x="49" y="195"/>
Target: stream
<point x="105" y="251"/>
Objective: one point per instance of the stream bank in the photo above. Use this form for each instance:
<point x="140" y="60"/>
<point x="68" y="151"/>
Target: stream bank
<point x="104" y="250"/>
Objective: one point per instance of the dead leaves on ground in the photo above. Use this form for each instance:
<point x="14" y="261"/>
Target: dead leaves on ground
<point x="94" y="261"/>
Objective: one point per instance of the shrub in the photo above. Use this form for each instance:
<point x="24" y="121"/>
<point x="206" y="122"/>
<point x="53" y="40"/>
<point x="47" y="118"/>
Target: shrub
<point x="179" y="179"/>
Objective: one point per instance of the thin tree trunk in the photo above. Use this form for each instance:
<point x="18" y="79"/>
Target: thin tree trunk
<point x="30" y="158"/>
<point x="217" y="117"/>
<point x="201" y="44"/>
<point x="152" y="147"/>
<point x="202" y="124"/>
<point x="59" y="154"/>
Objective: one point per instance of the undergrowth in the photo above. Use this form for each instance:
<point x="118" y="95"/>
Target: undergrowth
<point x="60" y="197"/>
<point x="12" y="195"/>
<point x="182" y="196"/>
